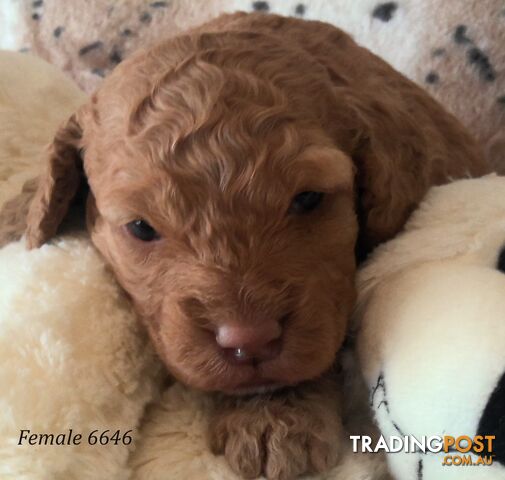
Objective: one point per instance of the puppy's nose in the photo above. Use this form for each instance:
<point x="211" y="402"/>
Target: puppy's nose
<point x="248" y="343"/>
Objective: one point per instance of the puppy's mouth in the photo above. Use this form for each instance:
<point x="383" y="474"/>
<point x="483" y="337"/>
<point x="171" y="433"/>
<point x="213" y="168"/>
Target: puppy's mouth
<point x="246" y="378"/>
<point x="245" y="356"/>
<point x="255" y="377"/>
<point x="254" y="368"/>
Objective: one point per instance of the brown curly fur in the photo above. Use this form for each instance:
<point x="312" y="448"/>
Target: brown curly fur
<point x="208" y="137"/>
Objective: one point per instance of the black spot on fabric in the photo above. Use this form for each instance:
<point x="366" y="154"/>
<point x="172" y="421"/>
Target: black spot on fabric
<point x="385" y="11"/>
<point x="480" y="60"/>
<point x="460" y="35"/>
<point x="115" y="57"/>
<point x="420" y="470"/>
<point x="37" y="3"/>
<point x="36" y="16"/>
<point x="501" y="100"/>
<point x="379" y="385"/>
<point x="24" y="50"/>
<point x="475" y="55"/>
<point x="438" y="52"/>
<point x="432" y="77"/>
<point x="159" y="4"/>
<point x="492" y="422"/>
<point x="500" y="263"/>
<point x="90" y="47"/>
<point x="98" y="71"/>
<point x="58" y="31"/>
<point x="300" y="9"/>
<point x="145" y="17"/>
<point x="127" y="32"/>
<point x="261" y="6"/>
<point x="397" y="428"/>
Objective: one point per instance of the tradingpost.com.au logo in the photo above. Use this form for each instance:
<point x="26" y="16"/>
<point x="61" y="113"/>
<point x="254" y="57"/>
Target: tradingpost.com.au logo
<point x="457" y="449"/>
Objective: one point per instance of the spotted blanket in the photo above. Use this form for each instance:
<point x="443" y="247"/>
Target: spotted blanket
<point x="453" y="48"/>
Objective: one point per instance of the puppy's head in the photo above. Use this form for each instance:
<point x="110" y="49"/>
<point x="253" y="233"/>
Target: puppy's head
<point x="221" y="203"/>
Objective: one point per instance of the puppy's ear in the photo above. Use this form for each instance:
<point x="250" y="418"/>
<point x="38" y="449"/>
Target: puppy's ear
<point x="391" y="155"/>
<point x="400" y="148"/>
<point x="58" y="184"/>
<point x="386" y="194"/>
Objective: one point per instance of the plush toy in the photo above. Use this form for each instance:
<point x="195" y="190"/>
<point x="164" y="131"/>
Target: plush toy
<point x="431" y="338"/>
<point x="75" y="367"/>
<point x="453" y="48"/>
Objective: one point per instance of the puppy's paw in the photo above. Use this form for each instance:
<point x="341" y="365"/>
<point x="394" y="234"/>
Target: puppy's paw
<point x="280" y="437"/>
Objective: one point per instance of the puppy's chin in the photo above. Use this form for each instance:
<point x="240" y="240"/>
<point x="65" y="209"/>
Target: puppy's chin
<point x="254" y="389"/>
<point x="247" y="381"/>
<point x="258" y="382"/>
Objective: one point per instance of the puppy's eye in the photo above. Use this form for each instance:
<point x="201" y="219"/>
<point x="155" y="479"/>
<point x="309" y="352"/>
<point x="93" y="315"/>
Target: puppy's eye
<point x="142" y="230"/>
<point x="305" y="202"/>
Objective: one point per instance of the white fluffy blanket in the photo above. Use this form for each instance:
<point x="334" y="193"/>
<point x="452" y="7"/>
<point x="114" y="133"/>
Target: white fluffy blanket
<point x="72" y="355"/>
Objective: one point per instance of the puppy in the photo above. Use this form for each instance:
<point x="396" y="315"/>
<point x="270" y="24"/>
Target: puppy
<point x="233" y="173"/>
